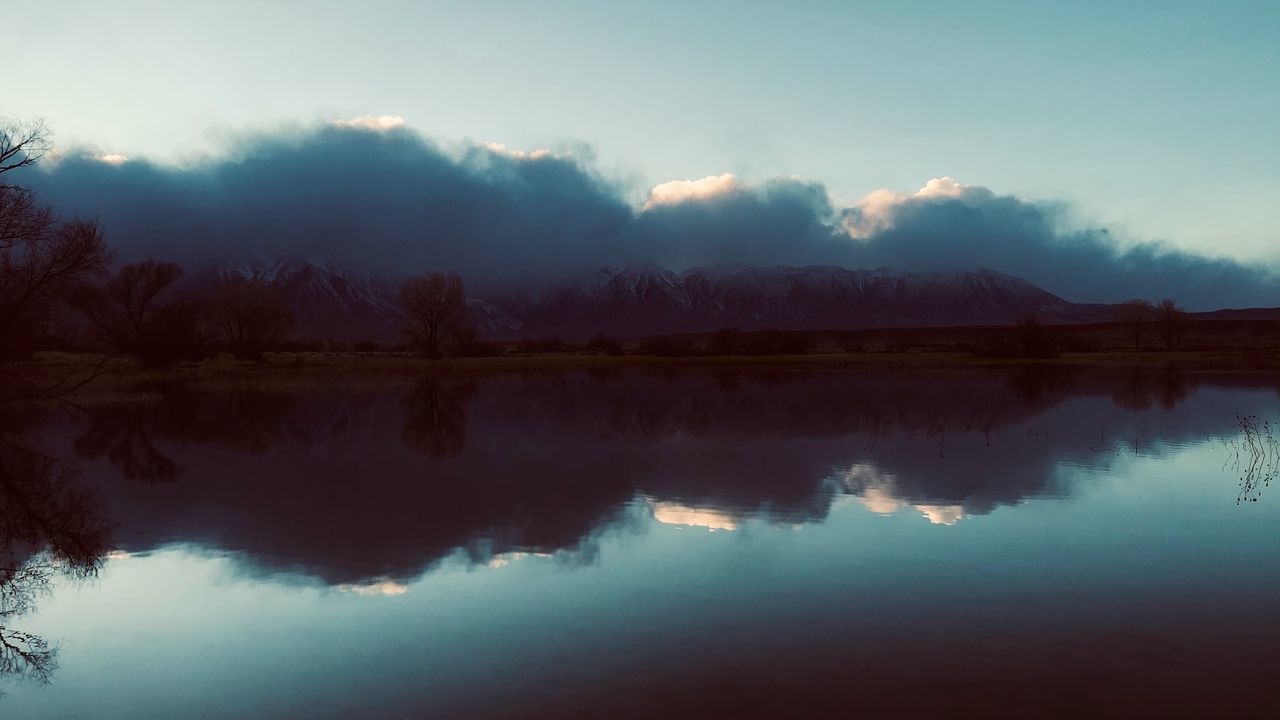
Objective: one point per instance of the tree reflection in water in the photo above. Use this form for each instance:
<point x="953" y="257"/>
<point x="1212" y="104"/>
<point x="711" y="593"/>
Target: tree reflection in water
<point x="537" y="463"/>
<point x="49" y="528"/>
<point x="128" y="446"/>
<point x="435" y="416"/>
<point x="242" y="418"/>
<point x="367" y="487"/>
<point x="1142" y="388"/>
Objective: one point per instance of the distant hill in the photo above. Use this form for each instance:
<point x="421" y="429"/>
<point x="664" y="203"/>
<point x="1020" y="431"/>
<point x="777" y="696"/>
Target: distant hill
<point x="1242" y="314"/>
<point x="651" y="300"/>
<point x="647" y="299"/>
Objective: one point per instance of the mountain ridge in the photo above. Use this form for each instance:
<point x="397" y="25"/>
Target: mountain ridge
<point x="646" y="299"/>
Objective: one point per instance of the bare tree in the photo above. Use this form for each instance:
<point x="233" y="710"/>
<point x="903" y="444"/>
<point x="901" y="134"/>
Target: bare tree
<point x="22" y="219"/>
<point x="38" y="270"/>
<point x="22" y="144"/>
<point x="1172" y="319"/>
<point x="1133" y="315"/>
<point x="251" y="317"/>
<point x="130" y="314"/>
<point x="435" y="308"/>
<point x="40" y="258"/>
<point x="123" y="309"/>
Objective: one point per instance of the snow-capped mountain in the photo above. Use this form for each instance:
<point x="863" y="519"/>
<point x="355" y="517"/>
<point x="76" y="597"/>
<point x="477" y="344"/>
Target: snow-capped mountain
<point x="647" y="299"/>
<point x="327" y="301"/>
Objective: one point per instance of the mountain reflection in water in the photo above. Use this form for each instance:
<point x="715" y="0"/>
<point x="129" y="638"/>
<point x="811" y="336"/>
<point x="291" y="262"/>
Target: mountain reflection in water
<point x="537" y="463"/>
<point x="365" y="488"/>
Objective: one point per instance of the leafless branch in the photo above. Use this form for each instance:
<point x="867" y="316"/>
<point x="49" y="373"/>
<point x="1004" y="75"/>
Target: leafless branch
<point x="22" y="144"/>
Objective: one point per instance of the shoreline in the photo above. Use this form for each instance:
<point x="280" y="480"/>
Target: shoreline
<point x="123" y="375"/>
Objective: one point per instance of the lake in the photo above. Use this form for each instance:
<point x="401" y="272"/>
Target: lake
<point x="716" y="543"/>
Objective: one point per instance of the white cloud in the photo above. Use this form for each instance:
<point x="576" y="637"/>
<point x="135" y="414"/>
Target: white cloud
<point x="111" y="159"/>
<point x="669" y="513"/>
<point x="872" y="214"/>
<point x="945" y="186"/>
<point x="505" y="559"/>
<point x="942" y="514"/>
<point x="379" y="123"/>
<point x="499" y="149"/>
<point x="385" y="588"/>
<point x="875" y="212"/>
<point x="879" y="501"/>
<point x="876" y="491"/>
<point x="678" y="191"/>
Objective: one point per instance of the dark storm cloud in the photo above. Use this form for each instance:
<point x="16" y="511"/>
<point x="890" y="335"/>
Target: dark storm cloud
<point x="380" y="200"/>
<point x="783" y="222"/>
<point x="392" y="201"/>
<point x="977" y="228"/>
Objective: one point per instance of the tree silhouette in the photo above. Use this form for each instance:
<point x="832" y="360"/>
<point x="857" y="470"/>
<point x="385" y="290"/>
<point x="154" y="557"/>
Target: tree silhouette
<point x="251" y="317"/>
<point x="435" y="308"/>
<point x="41" y="259"/>
<point x="135" y="314"/>
<point x="1134" y="315"/>
<point x="22" y="144"/>
<point x="1172" y="320"/>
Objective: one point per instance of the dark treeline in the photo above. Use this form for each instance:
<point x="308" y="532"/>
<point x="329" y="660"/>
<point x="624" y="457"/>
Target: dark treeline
<point x="57" y="291"/>
<point x="136" y="312"/>
<point x="43" y="260"/>
<point x="1137" y="319"/>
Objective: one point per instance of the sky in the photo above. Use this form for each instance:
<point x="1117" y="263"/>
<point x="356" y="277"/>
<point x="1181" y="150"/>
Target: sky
<point x="1154" y="120"/>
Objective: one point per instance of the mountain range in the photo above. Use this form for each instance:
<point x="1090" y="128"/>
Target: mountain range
<point x="646" y="299"/>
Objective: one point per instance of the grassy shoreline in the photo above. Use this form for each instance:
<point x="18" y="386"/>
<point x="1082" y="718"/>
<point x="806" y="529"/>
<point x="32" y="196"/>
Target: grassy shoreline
<point x="119" y="374"/>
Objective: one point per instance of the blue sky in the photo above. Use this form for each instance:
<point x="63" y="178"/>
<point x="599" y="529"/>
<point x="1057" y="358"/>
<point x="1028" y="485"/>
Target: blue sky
<point x="1157" y="120"/>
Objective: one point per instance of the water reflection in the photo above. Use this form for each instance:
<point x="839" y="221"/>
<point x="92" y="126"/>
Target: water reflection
<point x="244" y="419"/>
<point x="435" y="416"/>
<point x="50" y="528"/>
<point x="365" y="485"/>
<point x="1141" y="388"/>
<point x="361" y="489"/>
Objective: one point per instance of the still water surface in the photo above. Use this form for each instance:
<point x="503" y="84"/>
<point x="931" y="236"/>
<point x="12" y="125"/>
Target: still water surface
<point x="1021" y="543"/>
